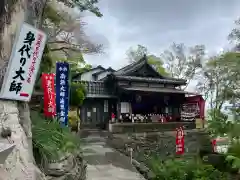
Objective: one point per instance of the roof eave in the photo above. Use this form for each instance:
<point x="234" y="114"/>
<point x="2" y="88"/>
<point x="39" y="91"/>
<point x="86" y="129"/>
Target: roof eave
<point x="76" y="76"/>
<point x="79" y="74"/>
<point x="156" y="90"/>
<point x="142" y="79"/>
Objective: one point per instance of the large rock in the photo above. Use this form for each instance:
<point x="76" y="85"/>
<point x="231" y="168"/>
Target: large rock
<point x="19" y="165"/>
<point x="68" y="167"/>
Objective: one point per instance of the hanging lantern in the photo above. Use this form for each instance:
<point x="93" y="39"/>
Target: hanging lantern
<point x="166" y="99"/>
<point x="138" y="98"/>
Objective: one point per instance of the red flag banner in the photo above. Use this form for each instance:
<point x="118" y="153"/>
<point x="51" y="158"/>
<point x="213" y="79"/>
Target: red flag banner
<point x="179" y="141"/>
<point x="49" y="95"/>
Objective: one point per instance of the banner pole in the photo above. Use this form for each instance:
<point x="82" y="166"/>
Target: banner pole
<point x="69" y="89"/>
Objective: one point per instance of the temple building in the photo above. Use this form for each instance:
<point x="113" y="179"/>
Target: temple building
<point x="137" y="94"/>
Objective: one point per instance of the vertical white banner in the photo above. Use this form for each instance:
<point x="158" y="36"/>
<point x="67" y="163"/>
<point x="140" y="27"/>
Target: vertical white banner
<point x="24" y="63"/>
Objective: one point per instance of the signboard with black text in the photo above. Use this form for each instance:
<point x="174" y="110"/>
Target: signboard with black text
<point x="62" y="91"/>
<point x="24" y="63"/>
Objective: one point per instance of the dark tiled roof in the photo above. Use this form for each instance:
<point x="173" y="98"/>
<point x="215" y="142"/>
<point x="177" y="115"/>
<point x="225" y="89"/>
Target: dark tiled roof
<point x="100" y="72"/>
<point x="97" y="73"/>
<point x="97" y="67"/>
<point x="76" y="76"/>
<point x="100" y="96"/>
<point x="148" y="89"/>
<point x="131" y="67"/>
<point x="125" y="71"/>
<point x="111" y="69"/>
<point x="147" y="79"/>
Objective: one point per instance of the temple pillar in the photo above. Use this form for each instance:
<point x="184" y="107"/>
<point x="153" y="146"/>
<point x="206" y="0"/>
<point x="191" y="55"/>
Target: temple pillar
<point x="118" y="109"/>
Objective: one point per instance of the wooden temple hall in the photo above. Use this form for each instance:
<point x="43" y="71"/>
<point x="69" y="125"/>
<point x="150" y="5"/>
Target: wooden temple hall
<point x="137" y="95"/>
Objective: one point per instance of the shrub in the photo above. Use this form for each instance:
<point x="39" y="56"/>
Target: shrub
<point x="234" y="149"/>
<point x="73" y="119"/>
<point x="50" y="139"/>
<point x="77" y="96"/>
<point x="184" y="169"/>
<point x="233" y="156"/>
<point x="217" y="123"/>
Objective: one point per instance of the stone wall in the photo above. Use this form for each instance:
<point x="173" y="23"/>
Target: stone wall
<point x="148" y="127"/>
<point x="162" y="144"/>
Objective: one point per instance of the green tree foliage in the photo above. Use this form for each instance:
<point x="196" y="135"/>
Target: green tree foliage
<point x="220" y="84"/>
<point x="220" y="81"/>
<point x="135" y="54"/>
<point x="84" y="5"/>
<point x="78" y="66"/>
<point x="234" y="155"/>
<point x="184" y="62"/>
<point x="157" y="63"/>
<point x="235" y="33"/>
<point x="46" y="66"/>
<point x="65" y="29"/>
<point x="77" y="95"/>
<point x="217" y="123"/>
<point x="229" y="66"/>
<point x="67" y="40"/>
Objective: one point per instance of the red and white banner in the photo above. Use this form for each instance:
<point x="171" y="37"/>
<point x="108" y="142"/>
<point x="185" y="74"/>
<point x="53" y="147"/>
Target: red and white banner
<point x="49" y="95"/>
<point x="220" y="145"/>
<point x="179" y="141"/>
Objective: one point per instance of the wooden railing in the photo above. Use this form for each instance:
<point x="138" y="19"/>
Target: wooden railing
<point x="96" y="88"/>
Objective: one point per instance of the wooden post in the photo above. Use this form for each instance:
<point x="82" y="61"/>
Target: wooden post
<point x="118" y="109"/>
<point x="130" y="109"/>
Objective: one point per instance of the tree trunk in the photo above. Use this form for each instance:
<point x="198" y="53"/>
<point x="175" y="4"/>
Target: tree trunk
<point x="16" y="115"/>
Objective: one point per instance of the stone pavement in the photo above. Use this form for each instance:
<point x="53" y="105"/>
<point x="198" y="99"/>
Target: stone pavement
<point x="104" y="163"/>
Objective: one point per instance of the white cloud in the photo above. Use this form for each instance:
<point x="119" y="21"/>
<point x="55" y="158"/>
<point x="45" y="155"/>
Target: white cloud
<point x="155" y="25"/>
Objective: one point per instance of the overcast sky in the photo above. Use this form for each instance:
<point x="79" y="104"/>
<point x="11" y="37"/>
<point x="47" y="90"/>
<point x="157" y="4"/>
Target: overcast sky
<point x="156" y="24"/>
